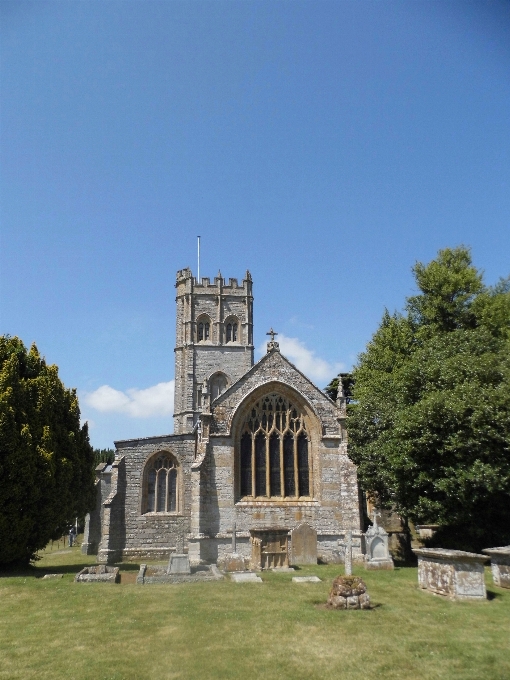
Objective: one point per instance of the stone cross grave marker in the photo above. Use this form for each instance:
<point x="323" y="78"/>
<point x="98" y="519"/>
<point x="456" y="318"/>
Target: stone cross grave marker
<point x="348" y="553"/>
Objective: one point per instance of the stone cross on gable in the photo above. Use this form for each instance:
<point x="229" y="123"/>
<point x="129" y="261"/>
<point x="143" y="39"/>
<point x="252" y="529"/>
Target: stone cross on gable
<point x="272" y="344"/>
<point x="375" y="516"/>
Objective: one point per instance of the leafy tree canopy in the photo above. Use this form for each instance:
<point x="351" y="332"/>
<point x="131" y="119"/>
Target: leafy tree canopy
<point x="103" y="456"/>
<point x="429" y="427"/>
<point x="46" y="461"/>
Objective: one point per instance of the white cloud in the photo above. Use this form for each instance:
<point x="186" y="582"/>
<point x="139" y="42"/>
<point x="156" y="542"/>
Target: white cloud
<point x="157" y="400"/>
<point x="315" y="368"/>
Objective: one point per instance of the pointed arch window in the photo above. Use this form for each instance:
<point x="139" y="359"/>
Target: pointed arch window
<point x="162" y="485"/>
<point x="203" y="329"/>
<point x="274" y="451"/>
<point x="232" y="330"/>
<point x="218" y="384"/>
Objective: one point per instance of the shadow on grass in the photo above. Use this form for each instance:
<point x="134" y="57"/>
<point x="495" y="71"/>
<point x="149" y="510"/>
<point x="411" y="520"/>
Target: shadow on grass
<point x="320" y="604"/>
<point x="493" y="595"/>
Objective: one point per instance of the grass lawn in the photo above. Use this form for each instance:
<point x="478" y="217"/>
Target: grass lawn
<point x="274" y="630"/>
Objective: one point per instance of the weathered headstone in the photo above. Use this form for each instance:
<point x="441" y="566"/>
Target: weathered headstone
<point x="303" y="544"/>
<point x="378" y="553"/>
<point x="178" y="564"/>
<point x="306" y="579"/>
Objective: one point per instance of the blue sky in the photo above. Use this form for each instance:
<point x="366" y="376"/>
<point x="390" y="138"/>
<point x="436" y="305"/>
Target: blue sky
<point x="325" y="146"/>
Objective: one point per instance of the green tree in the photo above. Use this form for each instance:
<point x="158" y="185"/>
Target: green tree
<point x="429" y="427"/>
<point x="46" y="461"/>
<point x="103" y="456"/>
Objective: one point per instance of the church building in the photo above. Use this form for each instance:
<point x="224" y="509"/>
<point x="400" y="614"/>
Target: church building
<point x="255" y="446"/>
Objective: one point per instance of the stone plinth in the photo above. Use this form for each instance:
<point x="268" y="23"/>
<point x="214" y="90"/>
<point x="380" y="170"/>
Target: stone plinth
<point x="303" y="545"/>
<point x="455" y="574"/>
<point x="348" y="592"/>
<point x="98" y="574"/>
<point x="500" y="565"/>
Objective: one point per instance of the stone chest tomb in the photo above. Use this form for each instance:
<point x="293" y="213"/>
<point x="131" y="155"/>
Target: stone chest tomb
<point x="455" y="574"/>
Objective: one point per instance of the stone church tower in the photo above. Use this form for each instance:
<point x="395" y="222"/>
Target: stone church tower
<point x="214" y="341"/>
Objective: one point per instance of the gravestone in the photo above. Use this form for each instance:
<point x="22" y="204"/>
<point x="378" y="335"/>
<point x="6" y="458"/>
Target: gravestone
<point x="378" y="553"/>
<point x="303" y="545"/>
<point x="178" y="564"/>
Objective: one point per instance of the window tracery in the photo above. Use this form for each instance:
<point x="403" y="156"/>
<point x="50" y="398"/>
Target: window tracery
<point x="274" y="451"/>
<point x="203" y="329"/>
<point x="231" y="331"/>
<point x="162" y="488"/>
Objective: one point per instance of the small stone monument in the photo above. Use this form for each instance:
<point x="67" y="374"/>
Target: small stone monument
<point x="348" y="592"/>
<point x="303" y="544"/>
<point x="378" y="554"/>
<point x="500" y="565"/>
<point x="178" y="564"/>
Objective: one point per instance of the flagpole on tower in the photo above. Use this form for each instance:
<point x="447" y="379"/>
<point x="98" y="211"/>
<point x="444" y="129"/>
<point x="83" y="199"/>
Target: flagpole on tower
<point x="198" y="273"/>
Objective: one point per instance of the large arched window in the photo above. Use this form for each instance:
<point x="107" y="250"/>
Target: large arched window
<point x="203" y="328"/>
<point x="161" y="484"/>
<point x="273" y="455"/>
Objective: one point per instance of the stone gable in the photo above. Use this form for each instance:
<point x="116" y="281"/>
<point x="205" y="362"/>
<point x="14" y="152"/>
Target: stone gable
<point x="273" y="368"/>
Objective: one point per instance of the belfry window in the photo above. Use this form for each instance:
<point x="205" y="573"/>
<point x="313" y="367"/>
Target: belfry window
<point x="203" y="329"/>
<point x="273" y="452"/>
<point x="231" y="332"/>
<point x="161" y="480"/>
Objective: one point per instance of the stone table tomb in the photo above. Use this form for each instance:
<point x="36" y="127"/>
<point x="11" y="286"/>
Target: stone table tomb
<point x="500" y="565"/>
<point x="455" y="574"/>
